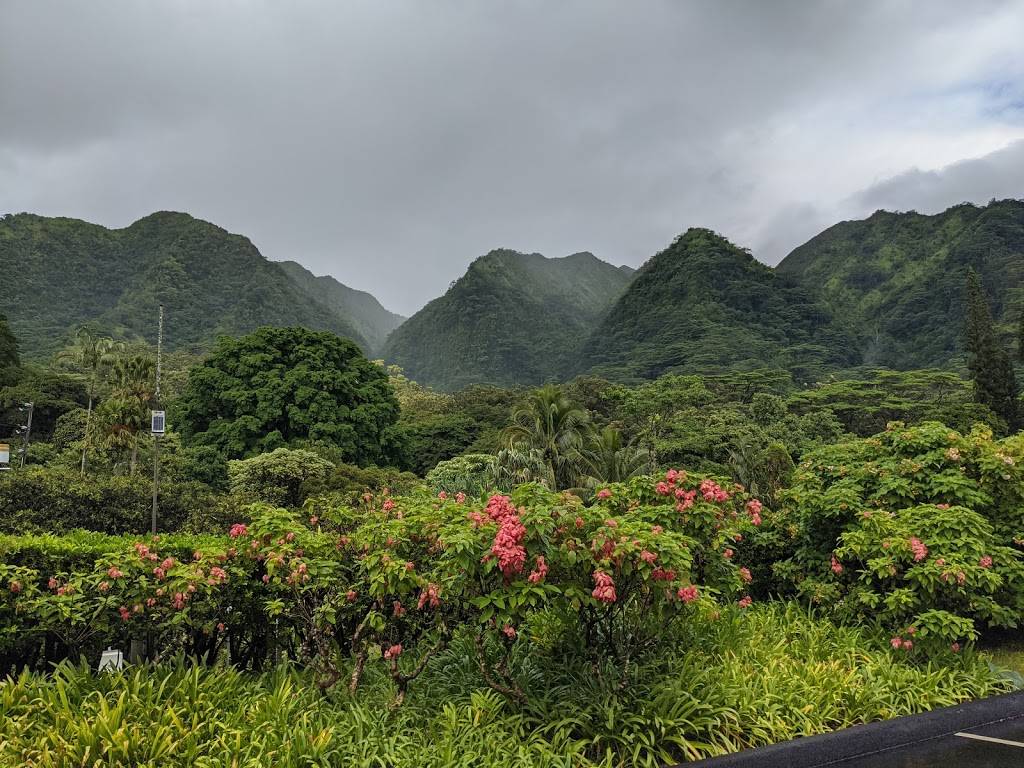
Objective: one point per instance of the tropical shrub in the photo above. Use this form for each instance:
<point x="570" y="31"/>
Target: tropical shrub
<point x="919" y="527"/>
<point x="468" y="473"/>
<point x="277" y="477"/>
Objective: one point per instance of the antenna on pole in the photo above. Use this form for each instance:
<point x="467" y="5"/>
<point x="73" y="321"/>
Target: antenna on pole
<point x="157" y="425"/>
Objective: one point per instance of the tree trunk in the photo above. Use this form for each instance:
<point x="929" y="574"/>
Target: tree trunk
<point x="85" y="437"/>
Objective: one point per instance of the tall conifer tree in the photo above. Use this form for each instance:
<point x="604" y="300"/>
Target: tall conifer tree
<point x="995" y="384"/>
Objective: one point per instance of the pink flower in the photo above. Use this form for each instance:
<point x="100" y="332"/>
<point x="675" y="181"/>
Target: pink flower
<point x="727" y="554"/>
<point x="604" y="589"/>
<point x="509" y="631"/>
<point x="398" y="609"/>
<point x="604" y="493"/>
<point x="429" y="596"/>
<point x="687" y="594"/>
<point x="507" y="547"/>
<point x="745" y="601"/>
<point x="125" y="613"/>
<point x="442" y="495"/>
<point x="712" y="491"/>
<point x="955" y="647"/>
<point x="745" y="575"/>
<point x="662" y="489"/>
<point x="314" y="520"/>
<point x="351" y="595"/>
<point x="103" y="586"/>
<point x="961" y="577"/>
<point x="197" y="556"/>
<point x="754" y="507"/>
<point x="114" y="573"/>
<point x="918" y="548"/>
<point x="837" y="567"/>
<point x="579" y="522"/>
<point x="150" y="601"/>
<point x="908" y="644"/>
<point x="612" y="523"/>
<point x="661" y="574"/>
<point x="896" y="643"/>
<point x="460" y="497"/>
<point x="218" y="575"/>
<point x="15" y="587"/>
<point x="393" y="652"/>
<point x="159" y="573"/>
<point x="52" y="583"/>
<point x="648" y="557"/>
<point x="238" y="529"/>
<point x="410" y="566"/>
<point x="179" y="600"/>
<point x="940" y="562"/>
<point x="290" y="536"/>
<point x="266" y="578"/>
<point x="167" y="564"/>
<point x="539" y="572"/>
<point x="388" y="505"/>
<point x="220" y="626"/>
<point x="985" y="562"/>
<point x="656" y="530"/>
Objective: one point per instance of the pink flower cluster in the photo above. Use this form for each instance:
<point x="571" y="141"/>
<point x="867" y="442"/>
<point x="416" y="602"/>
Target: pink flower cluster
<point x="238" y="529"/>
<point x="393" y="652"/>
<point x="745" y="575"/>
<point x="685" y="499"/>
<point x="218" y="575"/>
<point x="712" y="491"/>
<point x="687" y="594"/>
<point x="918" y="548"/>
<point x="985" y="562"/>
<point x="539" y="572"/>
<point x="15" y="587"/>
<point x="663" y="574"/>
<point x="754" y="508"/>
<point x="508" y="541"/>
<point x="837" y="567"/>
<point x="745" y="601"/>
<point x="429" y="596"/>
<point x="648" y="557"/>
<point x="604" y="493"/>
<point x="114" y="573"/>
<point x="604" y="587"/>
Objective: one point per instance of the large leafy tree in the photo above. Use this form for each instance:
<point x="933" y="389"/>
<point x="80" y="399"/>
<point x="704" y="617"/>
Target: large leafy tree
<point x="995" y="384"/>
<point x="280" y="387"/>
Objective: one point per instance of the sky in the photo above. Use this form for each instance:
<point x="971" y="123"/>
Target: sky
<point x="390" y="143"/>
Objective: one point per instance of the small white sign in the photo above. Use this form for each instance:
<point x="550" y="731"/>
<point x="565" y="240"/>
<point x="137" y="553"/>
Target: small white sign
<point x="158" y="423"/>
<point x="5" y="453"/>
<point x="110" y="661"/>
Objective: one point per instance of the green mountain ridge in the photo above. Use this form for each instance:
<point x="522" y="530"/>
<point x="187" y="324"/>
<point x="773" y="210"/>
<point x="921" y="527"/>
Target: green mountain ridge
<point x="899" y="278"/>
<point x="371" y="320"/>
<point x="62" y="272"/>
<point x="704" y="305"/>
<point x="512" y="318"/>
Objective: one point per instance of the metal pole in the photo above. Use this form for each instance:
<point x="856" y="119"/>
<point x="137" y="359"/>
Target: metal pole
<point x="28" y="433"/>
<point x="156" y="438"/>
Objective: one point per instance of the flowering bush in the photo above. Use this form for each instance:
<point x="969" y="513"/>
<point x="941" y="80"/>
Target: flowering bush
<point x="918" y="527"/>
<point x="395" y="577"/>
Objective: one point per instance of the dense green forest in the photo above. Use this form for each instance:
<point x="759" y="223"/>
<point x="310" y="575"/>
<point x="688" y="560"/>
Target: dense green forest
<point x="60" y="273"/>
<point x="898" y="278"/>
<point x="513" y="318"/>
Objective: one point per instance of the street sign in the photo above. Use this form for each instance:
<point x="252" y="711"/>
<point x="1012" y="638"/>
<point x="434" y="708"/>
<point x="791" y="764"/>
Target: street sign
<point x="157" y="424"/>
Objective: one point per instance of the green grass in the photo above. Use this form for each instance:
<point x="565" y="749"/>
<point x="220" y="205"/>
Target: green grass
<point x="724" y="684"/>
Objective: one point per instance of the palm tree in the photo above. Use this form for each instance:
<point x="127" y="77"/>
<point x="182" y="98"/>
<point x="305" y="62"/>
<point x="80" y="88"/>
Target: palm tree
<point x="606" y="459"/>
<point x="129" y="403"/>
<point x="550" y="427"/>
<point x="90" y="354"/>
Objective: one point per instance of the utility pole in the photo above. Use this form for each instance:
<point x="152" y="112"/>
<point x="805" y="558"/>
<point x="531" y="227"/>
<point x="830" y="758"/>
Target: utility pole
<point x="156" y="435"/>
<point x="28" y="432"/>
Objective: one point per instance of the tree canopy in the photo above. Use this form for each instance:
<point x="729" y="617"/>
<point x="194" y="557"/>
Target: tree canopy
<point x="294" y="387"/>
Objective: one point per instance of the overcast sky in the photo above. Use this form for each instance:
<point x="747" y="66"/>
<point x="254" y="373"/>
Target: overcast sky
<point x="391" y="143"/>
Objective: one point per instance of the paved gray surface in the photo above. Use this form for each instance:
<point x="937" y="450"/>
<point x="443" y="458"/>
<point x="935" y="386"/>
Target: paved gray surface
<point x="963" y="750"/>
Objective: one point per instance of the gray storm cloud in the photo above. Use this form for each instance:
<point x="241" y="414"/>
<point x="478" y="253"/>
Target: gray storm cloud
<point x="390" y="143"/>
